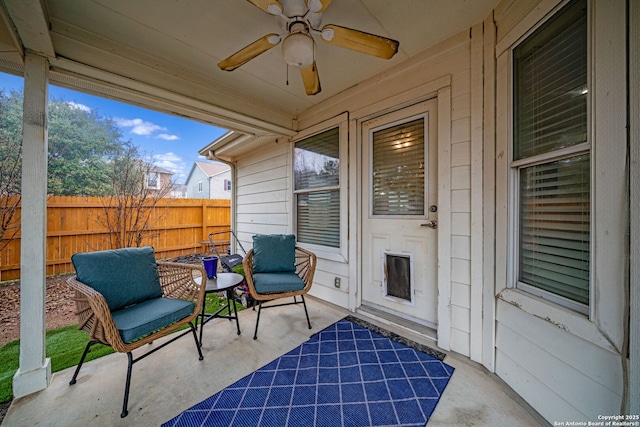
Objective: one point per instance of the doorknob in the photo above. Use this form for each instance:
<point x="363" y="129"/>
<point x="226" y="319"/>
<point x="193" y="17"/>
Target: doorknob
<point x="430" y="224"/>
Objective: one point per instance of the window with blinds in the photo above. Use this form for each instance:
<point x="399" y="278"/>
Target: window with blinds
<point x="398" y="169"/>
<point x="317" y="189"/>
<point x="551" y="157"/>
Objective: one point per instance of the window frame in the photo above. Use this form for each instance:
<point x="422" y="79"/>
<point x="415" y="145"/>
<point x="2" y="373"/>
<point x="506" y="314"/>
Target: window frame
<point x="515" y="167"/>
<point x="157" y="181"/>
<point x="327" y="252"/>
<point x="608" y="108"/>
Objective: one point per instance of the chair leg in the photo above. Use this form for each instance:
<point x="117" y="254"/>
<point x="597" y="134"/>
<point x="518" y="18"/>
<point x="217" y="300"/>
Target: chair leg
<point x="126" y="387"/>
<point x="84" y="354"/>
<point x="305" y="311"/>
<point x="195" y="337"/>
<point x="255" y="334"/>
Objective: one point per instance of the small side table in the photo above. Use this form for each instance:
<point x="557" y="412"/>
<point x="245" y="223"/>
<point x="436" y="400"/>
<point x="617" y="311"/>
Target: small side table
<point x="224" y="282"/>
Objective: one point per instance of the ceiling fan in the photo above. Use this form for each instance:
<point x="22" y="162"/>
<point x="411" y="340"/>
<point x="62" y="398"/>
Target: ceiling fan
<point x="299" y="21"/>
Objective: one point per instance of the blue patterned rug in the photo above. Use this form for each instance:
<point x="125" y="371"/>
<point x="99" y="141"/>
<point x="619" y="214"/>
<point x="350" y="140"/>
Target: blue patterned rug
<point x="345" y="375"/>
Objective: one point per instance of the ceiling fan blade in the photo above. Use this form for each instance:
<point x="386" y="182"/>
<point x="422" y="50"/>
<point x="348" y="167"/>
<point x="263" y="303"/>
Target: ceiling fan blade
<point x="360" y="41"/>
<point x="310" y="79"/>
<point x="246" y="54"/>
<point x="317" y="6"/>
<point x="273" y="7"/>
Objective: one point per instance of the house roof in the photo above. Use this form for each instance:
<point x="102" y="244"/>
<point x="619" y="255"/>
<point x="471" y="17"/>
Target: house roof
<point x="158" y="169"/>
<point x="210" y="169"/>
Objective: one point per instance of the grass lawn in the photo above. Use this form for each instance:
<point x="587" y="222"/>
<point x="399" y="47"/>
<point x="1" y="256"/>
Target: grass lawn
<point x="64" y="348"/>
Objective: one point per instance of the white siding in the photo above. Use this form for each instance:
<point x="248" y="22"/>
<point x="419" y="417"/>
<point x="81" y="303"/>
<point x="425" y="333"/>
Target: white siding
<point x="448" y="62"/>
<point x="561" y="375"/>
<point x="263" y="203"/>
<point x="216" y="186"/>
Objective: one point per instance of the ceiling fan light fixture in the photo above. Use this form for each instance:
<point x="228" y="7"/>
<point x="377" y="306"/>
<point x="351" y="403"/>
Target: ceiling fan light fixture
<point x="297" y="50"/>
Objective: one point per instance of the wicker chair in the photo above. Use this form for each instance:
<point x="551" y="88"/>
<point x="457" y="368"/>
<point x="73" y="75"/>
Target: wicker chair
<point x="291" y="276"/>
<point x="96" y="317"/>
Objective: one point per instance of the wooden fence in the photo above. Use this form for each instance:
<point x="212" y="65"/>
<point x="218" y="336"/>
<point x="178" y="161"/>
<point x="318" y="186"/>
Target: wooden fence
<point x="178" y="227"/>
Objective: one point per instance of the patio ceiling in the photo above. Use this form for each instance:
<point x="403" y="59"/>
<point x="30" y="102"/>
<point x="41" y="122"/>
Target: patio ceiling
<point x="162" y="54"/>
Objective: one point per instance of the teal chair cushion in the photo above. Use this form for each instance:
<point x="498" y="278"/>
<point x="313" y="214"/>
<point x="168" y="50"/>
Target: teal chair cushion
<point x="141" y="319"/>
<point x="274" y="253"/>
<point x="123" y="276"/>
<point x="277" y="282"/>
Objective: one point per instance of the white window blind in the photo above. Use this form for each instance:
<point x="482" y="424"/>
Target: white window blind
<point x="551" y="84"/>
<point x="398" y="165"/>
<point x="317" y="189"/>
<point x="554" y="231"/>
<point x="550" y="101"/>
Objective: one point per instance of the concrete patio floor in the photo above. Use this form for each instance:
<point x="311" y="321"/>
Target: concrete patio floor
<point x="172" y="380"/>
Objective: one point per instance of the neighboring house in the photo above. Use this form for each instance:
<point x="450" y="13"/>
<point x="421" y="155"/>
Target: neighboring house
<point x="209" y="180"/>
<point x="158" y="180"/>
<point x="179" y="191"/>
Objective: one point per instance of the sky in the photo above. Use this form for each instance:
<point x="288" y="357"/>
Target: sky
<point x="171" y="142"/>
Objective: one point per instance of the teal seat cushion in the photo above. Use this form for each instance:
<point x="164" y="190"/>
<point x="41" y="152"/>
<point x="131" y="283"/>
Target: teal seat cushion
<point x="277" y="282"/>
<point x="141" y="319"/>
<point x="274" y="253"/>
<point x="123" y="276"/>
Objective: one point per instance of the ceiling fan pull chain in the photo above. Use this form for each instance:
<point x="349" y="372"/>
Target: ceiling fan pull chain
<point x="287" y="65"/>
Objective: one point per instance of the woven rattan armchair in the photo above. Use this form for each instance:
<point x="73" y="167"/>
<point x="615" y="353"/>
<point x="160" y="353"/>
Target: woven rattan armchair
<point x="274" y="284"/>
<point x="101" y="322"/>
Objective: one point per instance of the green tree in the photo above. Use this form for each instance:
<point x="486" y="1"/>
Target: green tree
<point x="81" y="144"/>
<point x="87" y="157"/>
<point x="10" y="162"/>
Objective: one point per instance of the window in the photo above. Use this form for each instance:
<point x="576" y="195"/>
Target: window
<point x="199" y="186"/>
<point x="551" y="159"/>
<point x="227" y="185"/>
<point x="152" y="180"/>
<point x="398" y="166"/>
<point x="317" y="188"/>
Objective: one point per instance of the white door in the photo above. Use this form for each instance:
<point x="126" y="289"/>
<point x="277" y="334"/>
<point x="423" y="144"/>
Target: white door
<point x="399" y="224"/>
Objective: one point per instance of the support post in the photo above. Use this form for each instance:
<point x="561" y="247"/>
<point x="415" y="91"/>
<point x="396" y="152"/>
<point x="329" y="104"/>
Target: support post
<point x="34" y="373"/>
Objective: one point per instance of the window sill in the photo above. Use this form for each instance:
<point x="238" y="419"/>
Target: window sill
<point x="570" y="321"/>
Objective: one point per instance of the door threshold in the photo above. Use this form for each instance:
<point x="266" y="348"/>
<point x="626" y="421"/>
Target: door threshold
<point x="400" y="325"/>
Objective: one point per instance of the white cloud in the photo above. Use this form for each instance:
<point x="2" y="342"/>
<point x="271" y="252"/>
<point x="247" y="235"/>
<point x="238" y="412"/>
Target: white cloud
<point x="167" y="137"/>
<point x="174" y="163"/>
<point x="167" y="157"/>
<point x="139" y="126"/>
<point x="77" y="106"/>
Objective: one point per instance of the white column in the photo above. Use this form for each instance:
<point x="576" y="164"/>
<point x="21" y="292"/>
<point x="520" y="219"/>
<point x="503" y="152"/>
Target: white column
<point x="634" y="80"/>
<point x="34" y="372"/>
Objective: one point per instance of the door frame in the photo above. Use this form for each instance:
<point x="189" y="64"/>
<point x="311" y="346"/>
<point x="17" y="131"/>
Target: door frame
<point x="410" y="237"/>
<point x="440" y="89"/>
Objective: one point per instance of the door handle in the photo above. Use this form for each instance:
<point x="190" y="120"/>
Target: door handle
<point x="430" y="224"/>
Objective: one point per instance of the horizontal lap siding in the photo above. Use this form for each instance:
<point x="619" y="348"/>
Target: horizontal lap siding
<point x="561" y="375"/>
<point x="263" y="204"/>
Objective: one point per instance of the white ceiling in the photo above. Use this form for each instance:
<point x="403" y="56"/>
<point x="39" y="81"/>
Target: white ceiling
<point x="174" y="45"/>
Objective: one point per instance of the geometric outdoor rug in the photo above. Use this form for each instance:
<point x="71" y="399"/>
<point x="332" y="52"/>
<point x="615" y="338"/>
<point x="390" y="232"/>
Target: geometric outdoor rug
<point x="345" y="375"/>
